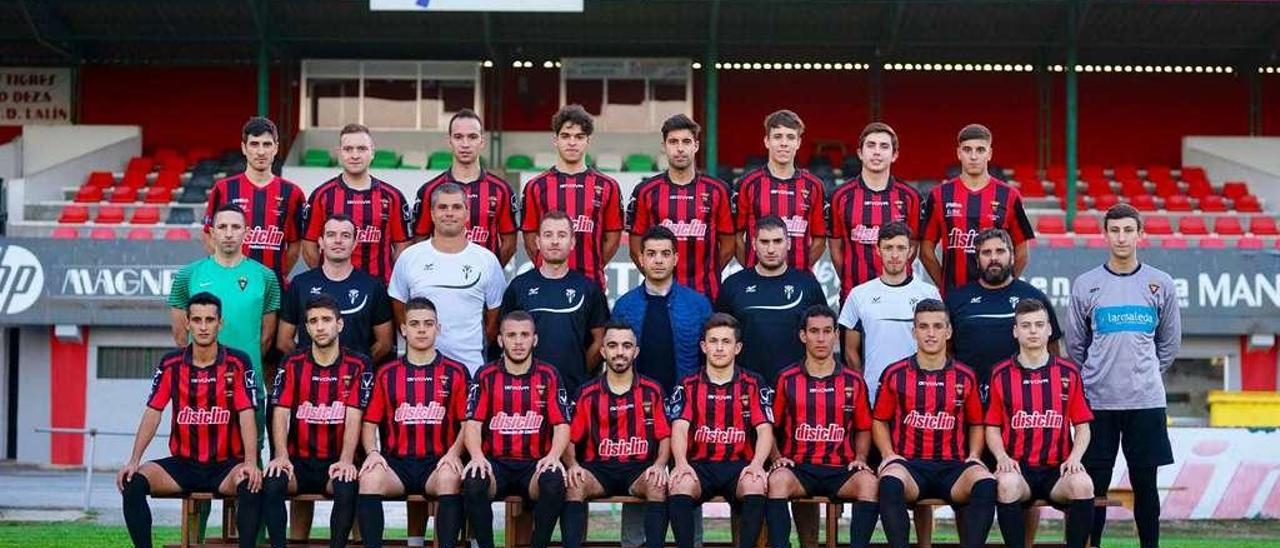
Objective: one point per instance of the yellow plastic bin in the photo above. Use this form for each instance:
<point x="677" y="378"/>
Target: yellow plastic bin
<point x="1247" y="409"/>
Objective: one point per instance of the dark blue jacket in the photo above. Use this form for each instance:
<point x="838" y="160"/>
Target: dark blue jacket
<point x="689" y="312"/>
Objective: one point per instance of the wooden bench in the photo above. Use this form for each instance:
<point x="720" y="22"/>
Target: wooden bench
<point x="1100" y="502"/>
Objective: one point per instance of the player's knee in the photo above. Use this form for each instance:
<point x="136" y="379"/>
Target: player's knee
<point x="683" y="486"/>
<point x="138" y="487"/>
<point x="370" y="483"/>
<point x="1008" y="487"/>
<point x="780" y="482"/>
<point x="983" y="491"/>
<point x="865" y="486"/>
<point x="447" y="476"/>
<point x="892" y="491"/>
<point x="475" y="490"/>
<point x="276" y="486"/>
<point x="752" y="485"/>
<point x="575" y="493"/>
<point x="1079" y="486"/>
<point x="345" y="490"/>
<point x="551" y="484"/>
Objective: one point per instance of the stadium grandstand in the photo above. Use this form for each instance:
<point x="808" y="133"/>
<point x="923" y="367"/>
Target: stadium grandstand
<point x="116" y="119"/>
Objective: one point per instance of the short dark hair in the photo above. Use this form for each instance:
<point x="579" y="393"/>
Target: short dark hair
<point x="447" y="188"/>
<point x="1122" y="211"/>
<point x="1029" y="306"/>
<point x="721" y="319"/>
<point x="930" y="305"/>
<point x="464" y="114"/>
<point x="353" y="128"/>
<point x="680" y="121"/>
<point x="658" y="232"/>
<point x="618" y="325"/>
<point x="256" y="126"/>
<point x="770" y="221"/>
<point x="518" y="316"/>
<point x="420" y="303"/>
<point x="573" y="114"/>
<point x="340" y="217"/>
<point x="878" y="127"/>
<point x="783" y="118"/>
<point x="555" y="215"/>
<point x="817" y="311"/>
<point x="974" y="131"/>
<point x="992" y="234"/>
<point x="892" y="230"/>
<point x="322" y="300"/>
<point x="205" y="298"/>
<point x="229" y="206"/>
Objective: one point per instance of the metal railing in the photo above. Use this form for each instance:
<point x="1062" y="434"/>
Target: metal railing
<point x="89" y="460"/>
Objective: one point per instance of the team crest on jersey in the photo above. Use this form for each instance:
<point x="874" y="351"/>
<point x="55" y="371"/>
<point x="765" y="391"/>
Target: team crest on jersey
<point x="542" y="395"/>
<point x="243" y="282"/>
<point x="876" y="300"/>
<point x="1066" y="387"/>
<point x="353" y="294"/>
<point x="647" y="406"/>
<point x="959" y="394"/>
<point x="912" y="302"/>
<point x="493" y="205"/>
<point x="848" y="399"/>
<point x="788" y="290"/>
<point x="466" y="270"/>
<point x="428" y="267"/>
<point x="570" y="293"/>
<point x="442" y="388"/>
<point x="1013" y="302"/>
<point x="1154" y="288"/>
<point x="745" y="403"/>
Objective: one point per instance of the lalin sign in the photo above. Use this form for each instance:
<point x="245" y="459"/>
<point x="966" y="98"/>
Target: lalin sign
<point x="35" y="96"/>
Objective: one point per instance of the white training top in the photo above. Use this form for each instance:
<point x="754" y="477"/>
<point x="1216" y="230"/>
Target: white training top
<point x="884" y="314"/>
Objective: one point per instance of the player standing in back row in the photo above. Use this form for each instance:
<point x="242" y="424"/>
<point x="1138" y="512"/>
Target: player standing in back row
<point x="957" y="210"/>
<point x="780" y="188"/>
<point x="590" y="198"/>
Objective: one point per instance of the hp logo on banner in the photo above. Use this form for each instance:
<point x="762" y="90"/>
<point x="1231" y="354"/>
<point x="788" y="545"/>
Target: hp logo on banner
<point x="21" y="279"/>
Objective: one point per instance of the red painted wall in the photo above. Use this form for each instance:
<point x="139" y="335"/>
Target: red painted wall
<point x="69" y="364"/>
<point x="1271" y="104"/>
<point x="7" y="133"/>
<point x="1258" y="366"/>
<point x="529" y="98"/>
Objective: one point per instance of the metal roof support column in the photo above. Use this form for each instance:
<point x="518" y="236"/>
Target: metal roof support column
<point x="711" y="97"/>
<point x="1073" y="23"/>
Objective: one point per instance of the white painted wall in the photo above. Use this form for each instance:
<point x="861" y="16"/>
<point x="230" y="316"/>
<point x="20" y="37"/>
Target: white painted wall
<point x="33" y="394"/>
<point x="48" y="146"/>
<point x="117" y="404"/>
<point x="11" y="159"/>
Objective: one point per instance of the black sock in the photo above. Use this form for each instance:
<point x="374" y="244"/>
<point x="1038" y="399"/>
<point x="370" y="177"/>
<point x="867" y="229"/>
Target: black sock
<point x="1079" y="519"/>
<point x="573" y="524"/>
<point x="863" y="523"/>
<point x="448" y="520"/>
<point x="1146" y="505"/>
<point x="274" y="491"/>
<point x="979" y="514"/>
<point x="369" y="512"/>
<point x="1101" y="476"/>
<point x="248" y="514"/>
<point x="893" y="512"/>
<point x="751" y="521"/>
<point x="1012" y="528"/>
<point x="779" y="521"/>
<point x="479" y="508"/>
<point x="680" y="512"/>
<point x="344" y="512"/>
<point x="547" y="509"/>
<point x="655" y="524"/>
<point x="137" y="514"/>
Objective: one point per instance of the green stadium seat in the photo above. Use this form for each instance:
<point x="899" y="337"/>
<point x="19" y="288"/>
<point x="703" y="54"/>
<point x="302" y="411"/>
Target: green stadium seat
<point x="519" y="162"/>
<point x="440" y="159"/>
<point x="317" y="157"/>
<point x="385" y="159"/>
<point x="638" y="162"/>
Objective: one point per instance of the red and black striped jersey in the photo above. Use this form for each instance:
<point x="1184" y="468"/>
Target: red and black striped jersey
<point x="517" y="412"/>
<point x="857" y="213"/>
<point x="592" y="201"/>
<point x="698" y="213"/>
<point x="489" y="200"/>
<point x="623" y="428"/>
<point x="953" y="216"/>
<point x="206" y="401"/>
<point x="929" y="412"/>
<point x="418" y="408"/>
<point x="799" y="201"/>
<point x="817" y="417"/>
<point x="273" y="216"/>
<point x="1036" y="409"/>
<point x="380" y="214"/>
<point x="317" y="397"/>
<point x="722" y="417"/>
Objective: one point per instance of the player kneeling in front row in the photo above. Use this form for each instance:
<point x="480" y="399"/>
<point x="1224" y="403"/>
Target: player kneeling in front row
<point x="824" y="434"/>
<point x="620" y="427"/>
<point x="1037" y="399"/>
<point x="213" y="439"/>
<point x="721" y="434"/>
<point x="516" y="432"/>
<point x="928" y="427"/>
<point x="318" y="396"/>
<point x="415" y="416"/>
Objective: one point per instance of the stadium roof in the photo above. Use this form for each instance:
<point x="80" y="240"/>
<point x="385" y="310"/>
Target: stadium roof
<point x="1241" y="34"/>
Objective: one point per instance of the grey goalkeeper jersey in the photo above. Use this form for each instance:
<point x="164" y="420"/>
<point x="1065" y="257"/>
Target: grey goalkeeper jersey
<point x="1124" y="330"/>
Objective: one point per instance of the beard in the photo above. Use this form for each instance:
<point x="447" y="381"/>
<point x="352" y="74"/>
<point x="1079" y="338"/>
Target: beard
<point x="995" y="277"/>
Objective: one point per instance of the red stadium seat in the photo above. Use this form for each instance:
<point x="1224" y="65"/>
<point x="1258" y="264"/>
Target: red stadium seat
<point x="1177" y="202"/>
<point x="1087" y="224"/>
<point x="1144" y="202"/>
<point x="1061" y="242"/>
<point x="140" y="164"/>
<point x="1132" y="187"/>
<point x="101" y="179"/>
<point x="1212" y="204"/>
<point x="1192" y="225"/>
<point x="1173" y="243"/>
<point x="74" y="214"/>
<point x="1194" y="174"/>
<point x="1248" y="204"/>
<point x="158" y="195"/>
<point x="1250" y="242"/>
<point x="1031" y="188"/>
<point x="140" y="234"/>
<point x="1228" y="226"/>
<point x="89" y="194"/>
<point x="1105" y="202"/>
<point x="1166" y="188"/>
<point x="1056" y="175"/>
<point x="1051" y="224"/>
<point x="134" y="179"/>
<point x="1262" y="225"/>
<point x="177" y="234"/>
<point x="102" y="234"/>
<point x="1098" y="187"/>
<point x="1233" y="190"/>
<point x="1158" y="225"/>
<point x="1159" y="173"/>
<point x="1200" y="189"/>
<point x="1093" y="173"/>
<point x="124" y="195"/>
<point x="65" y="233"/>
<point x="168" y="179"/>
<point x="146" y="215"/>
<point x="1025" y="172"/>
<point x="1213" y="242"/>
<point x="110" y="215"/>
<point x="1125" y="172"/>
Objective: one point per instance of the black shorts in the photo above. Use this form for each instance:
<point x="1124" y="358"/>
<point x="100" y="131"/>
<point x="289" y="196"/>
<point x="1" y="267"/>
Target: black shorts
<point x="413" y="472"/>
<point x="1041" y="479"/>
<point x="512" y="477"/>
<point x="312" y="475"/>
<point x="820" y="480"/>
<point x="935" y="478"/>
<point x="196" y="477"/>
<point x="617" y="477"/>
<point x="1143" y="433"/>
<point x="719" y="479"/>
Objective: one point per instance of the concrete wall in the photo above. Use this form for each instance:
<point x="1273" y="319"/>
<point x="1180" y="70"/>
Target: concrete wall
<point x="33" y="394"/>
<point x="117" y="404"/>
<point x="48" y="146"/>
<point x="11" y="159"/>
<point x="1255" y="160"/>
